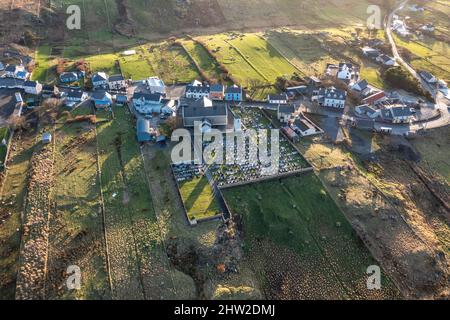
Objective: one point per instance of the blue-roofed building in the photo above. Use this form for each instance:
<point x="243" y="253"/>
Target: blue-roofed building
<point x="68" y="77"/>
<point x="143" y="130"/>
<point x="101" y="99"/>
<point x="234" y="93"/>
<point x="100" y="80"/>
<point x="121" y="99"/>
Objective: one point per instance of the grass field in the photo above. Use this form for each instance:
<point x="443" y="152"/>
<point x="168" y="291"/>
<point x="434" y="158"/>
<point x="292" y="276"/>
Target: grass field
<point x="199" y="199"/>
<point x="76" y="230"/>
<point x="44" y="63"/>
<point x="434" y="151"/>
<point x="300" y="244"/>
<point x="203" y="59"/>
<point x="134" y="235"/>
<point x="199" y="241"/>
<point x="13" y="193"/>
<point x="431" y="55"/>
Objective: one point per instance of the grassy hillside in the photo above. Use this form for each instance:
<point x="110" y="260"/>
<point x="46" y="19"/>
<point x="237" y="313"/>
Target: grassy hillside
<point x="300" y="243"/>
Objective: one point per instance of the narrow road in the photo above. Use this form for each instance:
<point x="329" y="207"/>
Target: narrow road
<point x="397" y="55"/>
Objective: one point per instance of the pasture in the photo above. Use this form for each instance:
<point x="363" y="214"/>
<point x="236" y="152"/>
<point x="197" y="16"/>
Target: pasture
<point x="300" y="243"/>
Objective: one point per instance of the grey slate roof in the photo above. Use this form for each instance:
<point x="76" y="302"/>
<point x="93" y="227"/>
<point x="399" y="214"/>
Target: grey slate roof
<point x="286" y="108"/>
<point x="197" y="89"/>
<point x="116" y="77"/>
<point x="217" y="88"/>
<point x="277" y="97"/>
<point x="233" y="89"/>
<point x="197" y="109"/>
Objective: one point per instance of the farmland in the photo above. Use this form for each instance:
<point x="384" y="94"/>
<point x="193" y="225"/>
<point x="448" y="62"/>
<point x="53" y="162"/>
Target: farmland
<point x="76" y="228"/>
<point x="428" y="54"/>
<point x="294" y="220"/>
<point x="12" y="196"/>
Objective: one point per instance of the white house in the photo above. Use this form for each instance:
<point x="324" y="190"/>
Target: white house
<point x="197" y="90"/>
<point x="346" y="72"/>
<point x="285" y="112"/>
<point x="32" y="87"/>
<point x="74" y="97"/>
<point x="386" y="60"/>
<point x="277" y="98"/>
<point x="147" y="103"/>
<point x="156" y="85"/>
<point x="117" y="82"/>
<point x="333" y="98"/>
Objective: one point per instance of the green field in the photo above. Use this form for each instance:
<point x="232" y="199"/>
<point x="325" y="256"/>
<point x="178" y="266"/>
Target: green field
<point x="76" y="229"/>
<point x="431" y="55"/>
<point x="198" y="198"/>
<point x="44" y="63"/>
<point x="295" y="233"/>
<point x="203" y="59"/>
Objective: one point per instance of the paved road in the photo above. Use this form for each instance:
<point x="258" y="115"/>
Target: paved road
<point x="397" y="55"/>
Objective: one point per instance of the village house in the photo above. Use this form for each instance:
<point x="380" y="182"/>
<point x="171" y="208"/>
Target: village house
<point x="346" y="72"/>
<point x="15" y="71"/>
<point x="304" y="126"/>
<point x="217" y="92"/>
<point x="117" y="83"/>
<point x="205" y="111"/>
<point x="101" y="99"/>
<point x="398" y="114"/>
<point x="234" y="93"/>
<point x="68" y="77"/>
<point x="428" y="77"/>
<point x="49" y="91"/>
<point x="147" y="103"/>
<point x="32" y="87"/>
<point x="285" y="112"/>
<point x="386" y="60"/>
<point x="277" y="98"/>
<point x="362" y="87"/>
<point x="371" y="53"/>
<point x="197" y="90"/>
<point x="332" y="98"/>
<point x="100" y="80"/>
<point x="11" y="83"/>
<point x="156" y="85"/>
<point x="366" y="110"/>
<point x="74" y="97"/>
<point x="374" y="98"/>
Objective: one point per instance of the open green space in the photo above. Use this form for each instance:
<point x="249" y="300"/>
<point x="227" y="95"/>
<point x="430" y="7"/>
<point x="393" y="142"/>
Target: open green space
<point x="76" y="228"/>
<point x="198" y="198"/>
<point x="294" y="231"/>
